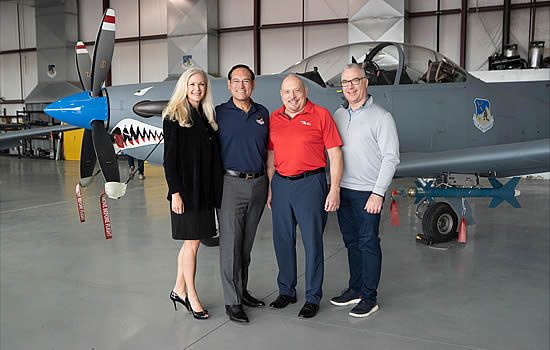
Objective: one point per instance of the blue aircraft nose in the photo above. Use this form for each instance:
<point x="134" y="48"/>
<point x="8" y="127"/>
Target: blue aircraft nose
<point x="79" y="109"/>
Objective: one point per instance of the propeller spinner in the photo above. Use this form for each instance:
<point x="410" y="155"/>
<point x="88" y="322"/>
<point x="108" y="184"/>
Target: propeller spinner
<point x="89" y="109"/>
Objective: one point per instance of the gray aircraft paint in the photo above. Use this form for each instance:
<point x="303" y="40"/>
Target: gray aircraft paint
<point x="434" y="121"/>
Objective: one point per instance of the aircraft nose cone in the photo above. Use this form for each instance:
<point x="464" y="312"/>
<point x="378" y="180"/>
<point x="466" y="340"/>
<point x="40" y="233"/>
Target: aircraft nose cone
<point x="79" y="109"/>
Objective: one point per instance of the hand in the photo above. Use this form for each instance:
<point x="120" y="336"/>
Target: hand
<point x="269" y="198"/>
<point x="374" y="204"/>
<point x="333" y="201"/>
<point x="177" y="203"/>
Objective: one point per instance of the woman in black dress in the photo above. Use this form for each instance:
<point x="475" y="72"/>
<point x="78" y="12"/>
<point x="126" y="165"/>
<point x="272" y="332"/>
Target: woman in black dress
<point x="193" y="169"/>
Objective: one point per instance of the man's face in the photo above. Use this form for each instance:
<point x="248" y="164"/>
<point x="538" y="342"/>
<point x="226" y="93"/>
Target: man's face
<point x="241" y="84"/>
<point x="354" y="93"/>
<point x="293" y="94"/>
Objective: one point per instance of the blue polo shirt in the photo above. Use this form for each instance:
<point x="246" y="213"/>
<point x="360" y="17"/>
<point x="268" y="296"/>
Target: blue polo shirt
<point x="243" y="136"/>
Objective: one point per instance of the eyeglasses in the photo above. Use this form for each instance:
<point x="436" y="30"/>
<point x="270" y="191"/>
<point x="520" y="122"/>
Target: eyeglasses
<point x="237" y="81"/>
<point x="354" y="82"/>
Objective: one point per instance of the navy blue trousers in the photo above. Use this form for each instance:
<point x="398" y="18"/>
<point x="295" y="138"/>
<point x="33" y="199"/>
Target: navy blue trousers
<point x="299" y="202"/>
<point x="360" y="234"/>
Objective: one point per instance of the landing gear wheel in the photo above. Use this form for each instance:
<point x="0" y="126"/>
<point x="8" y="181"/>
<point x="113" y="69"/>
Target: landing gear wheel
<point x="440" y="222"/>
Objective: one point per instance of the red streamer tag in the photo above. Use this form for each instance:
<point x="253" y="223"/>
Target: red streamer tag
<point x="80" y="203"/>
<point x="105" y="215"/>
<point x="394" y="216"/>
<point x="462" y="231"/>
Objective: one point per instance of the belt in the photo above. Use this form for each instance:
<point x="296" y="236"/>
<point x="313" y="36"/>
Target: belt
<point x="247" y="176"/>
<point x="302" y="175"/>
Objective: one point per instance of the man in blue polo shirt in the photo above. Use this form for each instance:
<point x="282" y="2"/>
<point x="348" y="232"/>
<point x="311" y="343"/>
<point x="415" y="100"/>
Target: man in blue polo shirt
<point x="243" y="130"/>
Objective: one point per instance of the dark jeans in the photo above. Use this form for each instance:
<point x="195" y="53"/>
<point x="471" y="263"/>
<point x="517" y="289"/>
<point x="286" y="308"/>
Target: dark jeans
<point x="140" y="164"/>
<point x="360" y="234"/>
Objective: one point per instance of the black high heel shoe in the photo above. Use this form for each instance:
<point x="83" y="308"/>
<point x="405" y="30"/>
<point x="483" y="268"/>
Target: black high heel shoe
<point x="201" y="315"/>
<point x="174" y="297"/>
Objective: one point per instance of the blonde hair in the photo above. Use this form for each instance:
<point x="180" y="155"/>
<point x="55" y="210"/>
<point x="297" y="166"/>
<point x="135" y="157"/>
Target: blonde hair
<point x="179" y="108"/>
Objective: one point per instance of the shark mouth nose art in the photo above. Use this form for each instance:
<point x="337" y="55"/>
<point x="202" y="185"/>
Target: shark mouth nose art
<point x="130" y="133"/>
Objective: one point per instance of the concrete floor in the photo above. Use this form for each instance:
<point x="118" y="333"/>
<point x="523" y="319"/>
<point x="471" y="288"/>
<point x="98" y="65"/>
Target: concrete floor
<point x="63" y="286"/>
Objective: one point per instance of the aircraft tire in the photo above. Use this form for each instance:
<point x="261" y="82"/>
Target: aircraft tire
<point x="440" y="222"/>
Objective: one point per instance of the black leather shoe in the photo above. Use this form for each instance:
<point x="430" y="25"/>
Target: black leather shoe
<point x="236" y="313"/>
<point x="282" y="301"/>
<point x="308" y="310"/>
<point x="249" y="300"/>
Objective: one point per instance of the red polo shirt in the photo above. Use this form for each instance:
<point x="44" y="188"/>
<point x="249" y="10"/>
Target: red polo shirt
<point x="299" y="143"/>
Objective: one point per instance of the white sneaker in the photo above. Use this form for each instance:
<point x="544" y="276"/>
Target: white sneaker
<point x="141" y="176"/>
<point x="131" y="169"/>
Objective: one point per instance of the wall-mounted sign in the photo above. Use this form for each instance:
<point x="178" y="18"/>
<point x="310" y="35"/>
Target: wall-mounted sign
<point x="51" y="70"/>
<point x="187" y="61"/>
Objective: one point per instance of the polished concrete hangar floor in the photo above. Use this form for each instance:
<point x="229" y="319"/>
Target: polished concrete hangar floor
<point x="63" y="286"/>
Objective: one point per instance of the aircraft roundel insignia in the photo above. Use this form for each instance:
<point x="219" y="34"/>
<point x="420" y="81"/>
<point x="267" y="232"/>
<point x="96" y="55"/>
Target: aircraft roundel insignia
<point x="483" y="119"/>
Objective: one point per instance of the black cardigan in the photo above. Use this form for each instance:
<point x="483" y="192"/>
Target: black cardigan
<point x="192" y="162"/>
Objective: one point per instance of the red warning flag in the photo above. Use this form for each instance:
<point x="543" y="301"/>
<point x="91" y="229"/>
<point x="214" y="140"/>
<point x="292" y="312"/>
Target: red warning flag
<point x="462" y="231"/>
<point x="394" y="215"/>
<point x="80" y="203"/>
<point x="105" y="215"/>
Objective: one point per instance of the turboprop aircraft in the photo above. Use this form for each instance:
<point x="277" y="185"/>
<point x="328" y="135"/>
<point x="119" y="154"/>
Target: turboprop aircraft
<point x="452" y="127"/>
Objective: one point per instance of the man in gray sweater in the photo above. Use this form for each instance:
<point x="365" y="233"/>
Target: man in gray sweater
<point x="371" y="154"/>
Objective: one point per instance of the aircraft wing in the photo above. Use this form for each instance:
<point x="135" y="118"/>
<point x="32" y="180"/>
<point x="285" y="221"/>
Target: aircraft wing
<point x="504" y="160"/>
<point x="10" y="139"/>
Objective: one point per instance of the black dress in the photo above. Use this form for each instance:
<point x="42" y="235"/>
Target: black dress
<point x="193" y="167"/>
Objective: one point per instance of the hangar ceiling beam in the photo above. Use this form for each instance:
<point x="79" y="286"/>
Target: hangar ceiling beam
<point x="524" y="5"/>
<point x="257" y="37"/>
<point x="463" y="28"/>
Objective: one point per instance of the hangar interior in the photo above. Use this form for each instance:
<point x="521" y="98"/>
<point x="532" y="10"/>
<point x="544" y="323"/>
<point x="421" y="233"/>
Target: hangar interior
<point x="63" y="286"/>
<point x="153" y="35"/>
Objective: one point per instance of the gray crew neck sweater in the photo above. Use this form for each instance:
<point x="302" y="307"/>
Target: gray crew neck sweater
<point x="371" y="147"/>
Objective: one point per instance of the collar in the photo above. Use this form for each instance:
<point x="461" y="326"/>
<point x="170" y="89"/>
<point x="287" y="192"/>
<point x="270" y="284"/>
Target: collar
<point x="308" y="108"/>
<point x="368" y="102"/>
<point x="231" y="105"/>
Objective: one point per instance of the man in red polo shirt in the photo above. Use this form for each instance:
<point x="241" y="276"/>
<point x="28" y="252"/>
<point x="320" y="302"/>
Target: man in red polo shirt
<point x="299" y="133"/>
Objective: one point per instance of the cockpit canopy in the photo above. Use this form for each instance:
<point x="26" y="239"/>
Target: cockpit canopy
<point x="381" y="61"/>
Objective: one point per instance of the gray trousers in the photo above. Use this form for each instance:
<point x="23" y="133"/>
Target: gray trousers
<point x="243" y="203"/>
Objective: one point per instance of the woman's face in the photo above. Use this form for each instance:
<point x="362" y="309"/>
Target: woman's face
<point x="196" y="89"/>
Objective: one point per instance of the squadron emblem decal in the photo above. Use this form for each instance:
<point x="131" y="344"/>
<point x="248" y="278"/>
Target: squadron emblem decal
<point x="483" y="119"/>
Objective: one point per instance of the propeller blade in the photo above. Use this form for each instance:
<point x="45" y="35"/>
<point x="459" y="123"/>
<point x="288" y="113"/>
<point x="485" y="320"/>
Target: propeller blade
<point x="83" y="65"/>
<point x="107" y="160"/>
<point x="103" y="51"/>
<point x="87" y="159"/>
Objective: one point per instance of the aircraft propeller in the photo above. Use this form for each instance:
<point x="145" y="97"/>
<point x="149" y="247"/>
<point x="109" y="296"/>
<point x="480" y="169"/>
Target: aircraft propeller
<point x="96" y="143"/>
